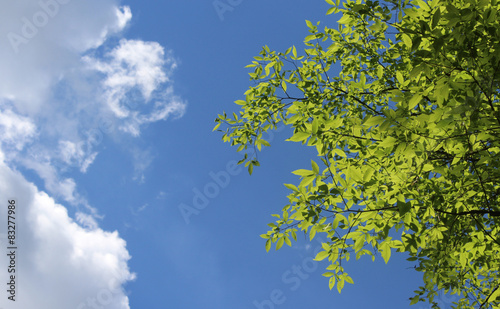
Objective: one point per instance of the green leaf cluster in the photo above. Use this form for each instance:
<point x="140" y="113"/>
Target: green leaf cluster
<point x="401" y="101"/>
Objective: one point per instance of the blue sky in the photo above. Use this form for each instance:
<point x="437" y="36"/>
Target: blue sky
<point x="106" y="117"/>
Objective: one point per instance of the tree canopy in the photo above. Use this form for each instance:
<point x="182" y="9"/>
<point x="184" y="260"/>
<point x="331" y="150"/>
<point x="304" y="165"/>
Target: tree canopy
<point x="401" y="102"/>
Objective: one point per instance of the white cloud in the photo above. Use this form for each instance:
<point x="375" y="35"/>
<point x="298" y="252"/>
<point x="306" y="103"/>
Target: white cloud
<point x="123" y="17"/>
<point x="15" y="131"/>
<point x="59" y="263"/>
<point x="135" y="63"/>
<point x="138" y="66"/>
<point x="142" y="160"/>
<point x="86" y="220"/>
<point x="136" y="212"/>
<point x="74" y="154"/>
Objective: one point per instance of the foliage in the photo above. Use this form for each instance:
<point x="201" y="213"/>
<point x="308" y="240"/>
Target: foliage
<point x="401" y="103"/>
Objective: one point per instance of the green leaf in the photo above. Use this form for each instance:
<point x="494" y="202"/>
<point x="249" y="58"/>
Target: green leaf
<point x="216" y="126"/>
<point x="299" y="137"/>
<point x="306" y="181"/>
<point x="436" y="17"/>
<point x="403" y="208"/>
<point x="340" y="152"/>
<point x="388" y="142"/>
<point x="303" y="172"/>
<point x="358" y="244"/>
<point x="315" y="125"/>
<point x="385" y="251"/>
<point x="312" y="233"/>
<point x="331" y="282"/>
<point x="368" y="174"/>
<point x="414" y="300"/>
<point x="265" y="143"/>
<point x="315" y="167"/>
<point x="427" y="167"/>
<point x="321" y="256"/>
<point x="415" y="99"/>
<point x="399" y="77"/>
<point x="268" y="245"/>
<point x="309" y="38"/>
<point x="291" y="187"/>
<point x="355" y="174"/>
<point x="280" y="242"/>
<point x="374" y="120"/>
<point x="407" y="40"/>
<point x="340" y="285"/>
<point x="344" y="19"/>
<point x="349" y="279"/>
<point x="415" y="43"/>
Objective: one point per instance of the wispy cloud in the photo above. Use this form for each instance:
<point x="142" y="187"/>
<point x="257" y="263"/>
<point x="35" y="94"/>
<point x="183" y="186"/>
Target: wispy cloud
<point x="138" y="66"/>
<point x="16" y="131"/>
